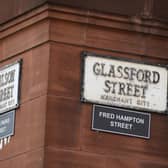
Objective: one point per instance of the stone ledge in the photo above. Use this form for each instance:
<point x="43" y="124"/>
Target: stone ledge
<point x="133" y="24"/>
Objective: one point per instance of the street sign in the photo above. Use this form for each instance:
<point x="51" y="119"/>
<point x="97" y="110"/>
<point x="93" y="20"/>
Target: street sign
<point x="120" y="121"/>
<point x="9" y="86"/>
<point x="124" y="83"/>
<point x="7" y="121"/>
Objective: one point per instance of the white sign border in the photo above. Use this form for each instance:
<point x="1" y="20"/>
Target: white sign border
<point x="84" y="54"/>
<point x="19" y="62"/>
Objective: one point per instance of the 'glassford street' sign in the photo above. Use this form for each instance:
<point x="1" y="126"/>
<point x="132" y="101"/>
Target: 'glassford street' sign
<point x="9" y="86"/>
<point x="124" y="84"/>
<point x="119" y="121"/>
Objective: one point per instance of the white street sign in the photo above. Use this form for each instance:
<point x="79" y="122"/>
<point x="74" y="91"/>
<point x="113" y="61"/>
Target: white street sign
<point x="124" y="84"/>
<point x="9" y="87"/>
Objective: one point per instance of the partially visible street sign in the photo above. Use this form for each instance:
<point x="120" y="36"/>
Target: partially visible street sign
<point x="9" y="87"/>
<point x="123" y="83"/>
<point x="7" y="121"/>
<point x="119" y="121"/>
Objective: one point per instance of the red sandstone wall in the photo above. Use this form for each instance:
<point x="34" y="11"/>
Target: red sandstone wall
<point x="53" y="128"/>
<point x="69" y="140"/>
<point x="26" y="148"/>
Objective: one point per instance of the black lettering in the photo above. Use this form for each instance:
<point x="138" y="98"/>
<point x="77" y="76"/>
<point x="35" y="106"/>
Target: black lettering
<point x="12" y="76"/>
<point x="6" y="78"/>
<point x="119" y="69"/>
<point x="103" y="70"/>
<point x="121" y="89"/>
<point x="6" y="93"/>
<point x="140" y="75"/>
<point x="1" y="95"/>
<point x="114" y="87"/>
<point x="96" y="68"/>
<point x="110" y="86"/>
<point x="144" y="89"/>
<point x="111" y="71"/>
<point x="137" y="91"/>
<point x="133" y="73"/>
<point x="147" y="76"/>
<point x="156" y="77"/>
<point x="126" y="71"/>
<point x="129" y="89"/>
<point x="1" y="80"/>
<point x="107" y="89"/>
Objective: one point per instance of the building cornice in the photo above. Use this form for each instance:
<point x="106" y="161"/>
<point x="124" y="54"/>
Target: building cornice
<point x="133" y="24"/>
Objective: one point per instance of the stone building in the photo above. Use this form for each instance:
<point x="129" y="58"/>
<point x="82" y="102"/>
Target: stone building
<point x="52" y="124"/>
